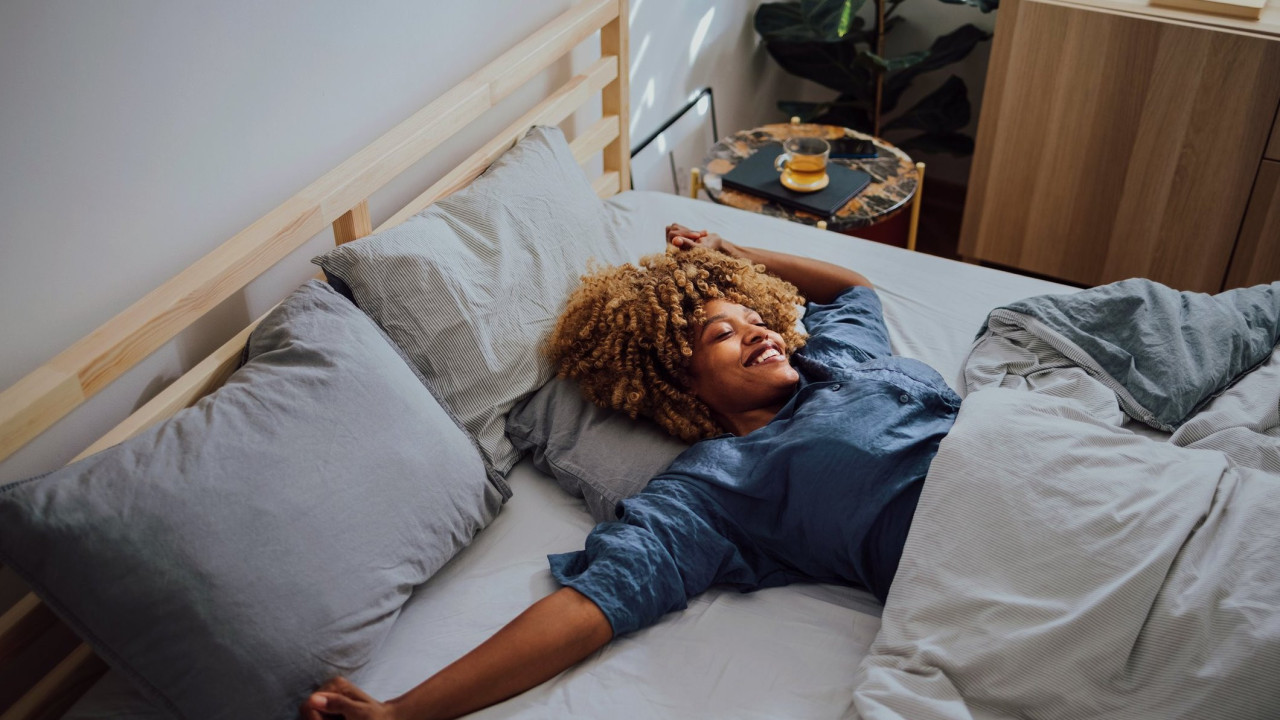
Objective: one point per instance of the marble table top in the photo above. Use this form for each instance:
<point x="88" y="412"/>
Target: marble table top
<point x="893" y="176"/>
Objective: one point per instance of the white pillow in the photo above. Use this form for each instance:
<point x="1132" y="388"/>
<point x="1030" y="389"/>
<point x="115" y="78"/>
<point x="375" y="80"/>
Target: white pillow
<point x="471" y="287"/>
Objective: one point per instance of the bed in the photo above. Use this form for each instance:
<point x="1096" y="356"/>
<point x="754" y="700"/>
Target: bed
<point x="795" y="652"/>
<point x="790" y="652"/>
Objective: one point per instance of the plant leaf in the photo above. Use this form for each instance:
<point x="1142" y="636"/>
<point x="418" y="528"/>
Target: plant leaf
<point x="902" y="62"/>
<point x="953" y="143"/>
<point x="833" y="65"/>
<point x="985" y="6"/>
<point x="848" y="110"/>
<point x="947" y="49"/>
<point x="813" y="21"/>
<point x="945" y="110"/>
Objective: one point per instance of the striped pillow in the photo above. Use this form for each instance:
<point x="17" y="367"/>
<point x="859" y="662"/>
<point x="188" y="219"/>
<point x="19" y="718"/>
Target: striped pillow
<point x="472" y="286"/>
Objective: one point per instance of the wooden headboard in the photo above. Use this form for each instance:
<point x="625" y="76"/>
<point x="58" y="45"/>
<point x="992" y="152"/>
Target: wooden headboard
<point x="340" y="199"/>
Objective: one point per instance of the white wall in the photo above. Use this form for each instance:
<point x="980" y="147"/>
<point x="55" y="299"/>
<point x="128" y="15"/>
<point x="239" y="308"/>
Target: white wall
<point x="678" y="48"/>
<point x="137" y="135"/>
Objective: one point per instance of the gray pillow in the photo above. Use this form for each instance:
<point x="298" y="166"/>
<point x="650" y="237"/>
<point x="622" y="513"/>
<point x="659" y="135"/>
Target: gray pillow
<point x="598" y="455"/>
<point x="255" y="544"/>
<point x="472" y="286"/>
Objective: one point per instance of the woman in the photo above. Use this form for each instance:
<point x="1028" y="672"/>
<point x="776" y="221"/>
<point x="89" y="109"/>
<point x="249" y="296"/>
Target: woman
<point x="809" y="465"/>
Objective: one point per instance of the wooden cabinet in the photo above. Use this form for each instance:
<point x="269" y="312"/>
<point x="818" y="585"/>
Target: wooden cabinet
<point x="1114" y="145"/>
<point x="1257" y="256"/>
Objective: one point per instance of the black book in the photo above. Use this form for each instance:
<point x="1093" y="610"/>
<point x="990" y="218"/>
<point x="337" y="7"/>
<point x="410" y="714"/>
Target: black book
<point x="756" y="175"/>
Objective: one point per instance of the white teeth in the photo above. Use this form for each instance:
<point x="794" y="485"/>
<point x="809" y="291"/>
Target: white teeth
<point x="767" y="354"/>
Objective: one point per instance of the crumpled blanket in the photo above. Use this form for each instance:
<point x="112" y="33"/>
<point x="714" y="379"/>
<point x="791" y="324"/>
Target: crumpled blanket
<point x="1060" y="565"/>
<point x="1157" y="353"/>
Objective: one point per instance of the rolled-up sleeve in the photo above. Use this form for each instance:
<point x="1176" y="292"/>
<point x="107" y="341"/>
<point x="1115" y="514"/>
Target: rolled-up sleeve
<point x="671" y="543"/>
<point x="848" y="330"/>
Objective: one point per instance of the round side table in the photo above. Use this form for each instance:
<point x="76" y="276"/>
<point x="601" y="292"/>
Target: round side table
<point x="895" y="179"/>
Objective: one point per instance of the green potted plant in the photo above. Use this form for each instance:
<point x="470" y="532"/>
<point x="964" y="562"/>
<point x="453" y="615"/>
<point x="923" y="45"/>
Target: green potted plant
<point x="827" y="42"/>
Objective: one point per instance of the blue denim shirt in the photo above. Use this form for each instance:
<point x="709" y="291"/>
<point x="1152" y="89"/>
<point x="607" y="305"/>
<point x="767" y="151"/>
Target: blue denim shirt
<point x="823" y="493"/>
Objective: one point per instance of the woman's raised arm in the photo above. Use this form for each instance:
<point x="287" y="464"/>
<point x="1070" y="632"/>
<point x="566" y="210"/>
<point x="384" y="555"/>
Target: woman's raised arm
<point x="554" y="634"/>
<point x="817" y="281"/>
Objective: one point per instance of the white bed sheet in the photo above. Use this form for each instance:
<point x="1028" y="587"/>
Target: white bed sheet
<point x="784" y="652"/>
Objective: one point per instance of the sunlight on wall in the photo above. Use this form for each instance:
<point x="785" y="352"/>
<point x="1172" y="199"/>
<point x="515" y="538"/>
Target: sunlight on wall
<point x="646" y="101"/>
<point x="635" y="8"/>
<point x="700" y="34"/>
<point x="639" y="56"/>
<point x="704" y="103"/>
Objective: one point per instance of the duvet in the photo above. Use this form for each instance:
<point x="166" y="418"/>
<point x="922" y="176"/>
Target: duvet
<point x="1066" y="563"/>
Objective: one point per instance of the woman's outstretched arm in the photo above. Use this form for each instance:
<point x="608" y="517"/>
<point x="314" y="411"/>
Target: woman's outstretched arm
<point x="554" y="634"/>
<point x="818" y="281"/>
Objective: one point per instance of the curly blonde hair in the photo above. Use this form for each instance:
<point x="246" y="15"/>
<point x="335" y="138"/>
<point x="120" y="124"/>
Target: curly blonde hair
<point x="627" y="334"/>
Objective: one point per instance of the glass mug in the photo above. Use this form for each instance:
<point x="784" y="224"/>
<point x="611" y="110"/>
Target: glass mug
<point x="803" y="164"/>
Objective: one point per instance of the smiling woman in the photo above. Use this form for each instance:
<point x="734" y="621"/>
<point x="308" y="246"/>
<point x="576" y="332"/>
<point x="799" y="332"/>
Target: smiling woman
<point x="816" y="479"/>
<point x="628" y="334"/>
<point x="740" y="368"/>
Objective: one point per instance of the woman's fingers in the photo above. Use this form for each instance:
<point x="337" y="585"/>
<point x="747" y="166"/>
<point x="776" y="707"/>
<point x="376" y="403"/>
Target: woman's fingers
<point x="678" y="229"/>
<point x="338" y="697"/>
<point x="332" y="704"/>
<point x="335" y="703"/>
<point x="311" y="707"/>
<point x="683" y="238"/>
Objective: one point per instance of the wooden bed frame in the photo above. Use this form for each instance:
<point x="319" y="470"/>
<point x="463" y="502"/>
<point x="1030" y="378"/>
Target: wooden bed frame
<point x="339" y="199"/>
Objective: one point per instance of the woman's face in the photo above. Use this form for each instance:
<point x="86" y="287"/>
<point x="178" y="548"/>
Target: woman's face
<point x="738" y="364"/>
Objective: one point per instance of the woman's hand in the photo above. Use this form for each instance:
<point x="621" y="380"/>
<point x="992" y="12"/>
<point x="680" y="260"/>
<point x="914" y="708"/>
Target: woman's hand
<point x="339" y="698"/>
<point x="817" y="280"/>
<point x="682" y="238"/>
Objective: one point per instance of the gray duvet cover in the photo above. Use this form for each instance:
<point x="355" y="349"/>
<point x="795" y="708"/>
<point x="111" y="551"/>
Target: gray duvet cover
<point x="1061" y="565"/>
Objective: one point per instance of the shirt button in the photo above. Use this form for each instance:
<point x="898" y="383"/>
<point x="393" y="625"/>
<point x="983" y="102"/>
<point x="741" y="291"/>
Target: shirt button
<point x="836" y="386"/>
<point x="904" y="398"/>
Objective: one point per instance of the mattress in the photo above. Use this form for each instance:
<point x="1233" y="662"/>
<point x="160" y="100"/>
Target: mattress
<point x="781" y="652"/>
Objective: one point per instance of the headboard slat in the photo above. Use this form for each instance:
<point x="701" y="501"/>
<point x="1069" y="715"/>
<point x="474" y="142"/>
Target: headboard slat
<point x="518" y="65"/>
<point x="19" y="624"/>
<point x="608" y="184"/>
<point x="595" y="138"/>
<point x="51" y="391"/>
<point x="551" y="111"/>
<point x="353" y="225"/>
<point x="56" y="691"/>
<point x="616" y="97"/>
<point x="207" y="376"/>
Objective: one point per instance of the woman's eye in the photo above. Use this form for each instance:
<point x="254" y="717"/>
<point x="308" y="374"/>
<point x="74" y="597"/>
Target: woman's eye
<point x="724" y="334"/>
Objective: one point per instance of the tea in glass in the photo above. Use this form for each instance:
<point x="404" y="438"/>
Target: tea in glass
<point x="803" y="164"/>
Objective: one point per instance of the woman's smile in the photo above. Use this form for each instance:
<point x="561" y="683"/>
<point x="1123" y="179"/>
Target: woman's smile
<point x="768" y="352"/>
